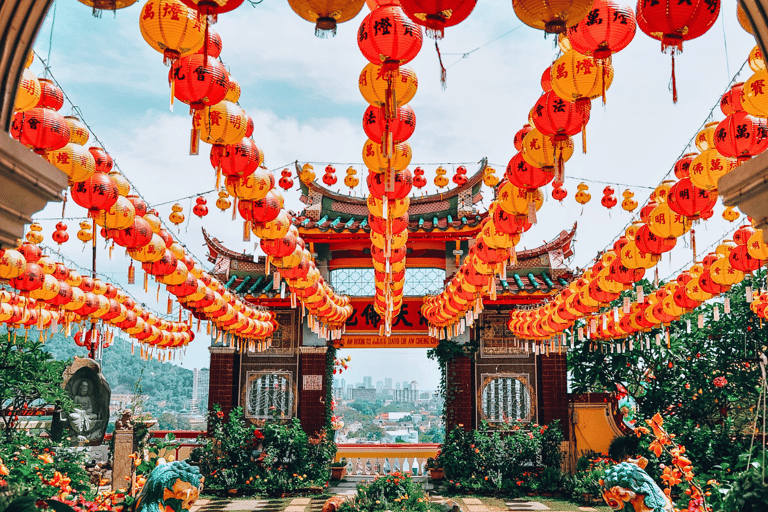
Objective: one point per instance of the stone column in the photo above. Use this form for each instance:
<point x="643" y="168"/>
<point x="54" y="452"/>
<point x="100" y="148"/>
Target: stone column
<point x="222" y="379"/>
<point x="553" y="394"/>
<point x="312" y="388"/>
<point x="460" y="396"/>
<point x="122" y="464"/>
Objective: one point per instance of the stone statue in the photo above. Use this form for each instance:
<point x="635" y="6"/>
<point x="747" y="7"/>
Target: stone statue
<point x="627" y="486"/>
<point x="171" y="487"/>
<point x="86" y="421"/>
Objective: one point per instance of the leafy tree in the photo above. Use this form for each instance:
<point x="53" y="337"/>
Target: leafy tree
<point x="29" y="378"/>
<point x="405" y="419"/>
<point x="168" y="421"/>
<point x="364" y="407"/>
<point x="369" y="432"/>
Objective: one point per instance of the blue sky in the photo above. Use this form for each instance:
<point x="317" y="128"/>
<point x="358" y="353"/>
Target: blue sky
<point x="302" y="94"/>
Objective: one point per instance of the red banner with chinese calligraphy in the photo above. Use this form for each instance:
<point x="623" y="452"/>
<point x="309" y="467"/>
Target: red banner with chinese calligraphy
<point x="409" y="328"/>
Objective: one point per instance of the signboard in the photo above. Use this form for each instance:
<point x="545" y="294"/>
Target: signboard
<point x="409" y="328"/>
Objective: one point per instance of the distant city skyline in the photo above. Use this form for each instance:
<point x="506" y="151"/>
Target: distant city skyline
<point x="401" y="365"/>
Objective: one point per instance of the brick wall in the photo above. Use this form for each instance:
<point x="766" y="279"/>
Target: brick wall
<point x="553" y="390"/>
<point x="222" y="387"/>
<point x="311" y="406"/>
<point x="460" y="404"/>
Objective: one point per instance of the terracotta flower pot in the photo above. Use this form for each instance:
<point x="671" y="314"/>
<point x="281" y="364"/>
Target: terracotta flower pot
<point x="338" y="472"/>
<point x="436" y="473"/>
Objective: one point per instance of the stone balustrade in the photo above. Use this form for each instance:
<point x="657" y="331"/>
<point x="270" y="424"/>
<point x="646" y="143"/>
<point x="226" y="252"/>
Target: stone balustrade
<point x="383" y="459"/>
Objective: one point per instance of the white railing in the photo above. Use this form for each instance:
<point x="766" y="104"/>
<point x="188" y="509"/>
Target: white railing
<point x="383" y="459"/>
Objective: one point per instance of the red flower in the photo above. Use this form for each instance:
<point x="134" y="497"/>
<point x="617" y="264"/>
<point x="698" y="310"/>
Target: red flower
<point x="257" y="434"/>
<point x="220" y="414"/>
<point x="720" y="382"/>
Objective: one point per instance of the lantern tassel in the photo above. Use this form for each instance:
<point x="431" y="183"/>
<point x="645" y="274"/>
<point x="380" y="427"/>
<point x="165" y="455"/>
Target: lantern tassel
<point x="131" y="274"/>
<point x="64" y="204"/>
<point x="218" y="177"/>
<point x="693" y="244"/>
<point x="674" y="79"/>
<point x="194" y="142"/>
<point x="443" y="71"/>
<point x="560" y="170"/>
<point x="532" y="212"/>
<point x="170" y="305"/>
<point x="584" y="136"/>
<point x="605" y="64"/>
<point x="146" y="282"/>
<point x="234" y="208"/>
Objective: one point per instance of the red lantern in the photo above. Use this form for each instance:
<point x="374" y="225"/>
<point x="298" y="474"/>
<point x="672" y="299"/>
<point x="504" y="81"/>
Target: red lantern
<point x="649" y="243"/>
<point x="51" y="96"/>
<point x="396" y="255"/>
<point x="286" y="181"/>
<point x="134" y="236"/>
<point x="608" y="200"/>
<point x="162" y="267"/>
<point x="435" y="15"/>
<point x="41" y="129"/>
<point x="687" y="199"/>
<point x="212" y="7"/>
<point x="509" y="224"/>
<point x="558" y="118"/>
<point x="708" y="285"/>
<point x="673" y="21"/>
<point x="645" y="211"/>
<point x="99" y="192"/>
<point x="740" y="259"/>
<point x="522" y="132"/>
<point x="139" y="205"/>
<point x="624" y="275"/>
<point x="558" y="192"/>
<point x="742" y="136"/>
<point x="388" y="38"/>
<point x="460" y="177"/>
<point x="682" y="300"/>
<point x="419" y="181"/>
<point x="607" y="29"/>
<point x="730" y="103"/>
<point x="263" y="210"/>
<point x="401" y="126"/>
<point x="60" y="235"/>
<point x="377" y="184"/>
<point x="600" y="295"/>
<point x="103" y="161"/>
<point x="241" y="159"/>
<point x="742" y="235"/>
<point x="31" y="252"/>
<point x="523" y="175"/>
<point x="212" y="46"/>
<point x="31" y="279"/>
<point x="682" y="166"/>
<point x="64" y="296"/>
<point x="329" y="178"/>
<point x="379" y="225"/>
<point x="200" y="209"/>
<point x="546" y="86"/>
<point x="199" y="81"/>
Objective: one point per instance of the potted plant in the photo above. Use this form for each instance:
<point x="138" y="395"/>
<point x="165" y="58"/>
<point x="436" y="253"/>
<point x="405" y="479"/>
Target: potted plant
<point x="434" y="465"/>
<point x="339" y="469"/>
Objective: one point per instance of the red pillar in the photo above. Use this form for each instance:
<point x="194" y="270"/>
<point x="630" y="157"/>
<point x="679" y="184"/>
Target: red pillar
<point x="222" y="380"/>
<point x="553" y="385"/>
<point x="312" y="388"/>
<point x="460" y="397"/>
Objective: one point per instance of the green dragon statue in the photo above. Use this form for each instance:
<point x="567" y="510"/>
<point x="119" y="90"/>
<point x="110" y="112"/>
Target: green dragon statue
<point x="626" y="486"/>
<point x="171" y="487"/>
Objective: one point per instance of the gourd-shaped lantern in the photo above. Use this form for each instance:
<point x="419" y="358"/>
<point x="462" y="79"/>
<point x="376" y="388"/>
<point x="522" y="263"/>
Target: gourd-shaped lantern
<point x="60" y="235"/>
<point x="85" y="234"/>
<point x="628" y="204"/>
<point x="440" y="179"/>
<point x="419" y="181"/>
<point x="35" y="235"/>
<point x="200" y="209"/>
<point x="673" y="22"/>
<point x="553" y="17"/>
<point x="608" y="28"/>
<point x="326" y="14"/>
<point x="435" y="15"/>
<point x="28" y="94"/>
<point x="489" y="177"/>
<point x="582" y="195"/>
<point x="741" y="136"/>
<point x="460" y="176"/>
<point x="608" y="200"/>
<point x="172" y="28"/>
<point x="223" y="203"/>
<point x="559" y="192"/>
<point x="329" y="178"/>
<point x="176" y="217"/>
<point x="756" y="60"/>
<point x="387" y="37"/>
<point x="351" y="180"/>
<point x="307" y="174"/>
<point x="286" y="181"/>
<point x="730" y="214"/>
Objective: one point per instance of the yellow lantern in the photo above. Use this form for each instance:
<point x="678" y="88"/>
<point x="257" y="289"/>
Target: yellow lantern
<point x="375" y="159"/>
<point x="119" y="216"/>
<point x="705" y="139"/>
<point x="47" y="264"/>
<point x="325" y="15"/>
<point x="78" y="132"/>
<point x="176" y="277"/>
<point x="665" y="223"/>
<point x="233" y="90"/>
<point x="517" y="201"/>
<point x="578" y="78"/>
<point x="253" y="187"/>
<point x="74" y="161"/>
<point x="12" y="264"/>
<point x="743" y="20"/>
<point x="223" y="123"/>
<point x="176" y="216"/>
<point x="397" y="240"/>
<point x="151" y="252"/>
<point x="754" y="94"/>
<point x="78" y="300"/>
<point x="172" y="28"/>
<point x="540" y="151"/>
<point x="661" y="192"/>
<point x="274" y="229"/>
<point x="724" y="274"/>
<point x="489" y="177"/>
<point x="628" y="204"/>
<point x="551" y="16"/>
<point x="34" y="235"/>
<point x="395" y="208"/>
<point x="223" y="203"/>
<point x="440" y="179"/>
<point x="123" y="186"/>
<point x="29" y="92"/>
<point x="373" y="83"/>
<point x="582" y="195"/>
<point x="730" y="214"/>
<point x="85" y="234"/>
<point x="725" y="247"/>
<point x="708" y="167"/>
<point x="633" y="258"/>
<point x="756" y="247"/>
<point x="154" y="221"/>
<point x="307" y="174"/>
<point x="350" y="180"/>
<point x="756" y="59"/>
<point x="632" y="229"/>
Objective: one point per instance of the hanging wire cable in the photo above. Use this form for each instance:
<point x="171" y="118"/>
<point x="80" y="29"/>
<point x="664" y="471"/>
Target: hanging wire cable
<point x="466" y="55"/>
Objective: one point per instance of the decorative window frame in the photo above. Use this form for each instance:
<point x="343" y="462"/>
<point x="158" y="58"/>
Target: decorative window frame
<point x="505" y="347"/>
<point x="286" y="328"/>
<point x="524" y="378"/>
<point x="253" y="376"/>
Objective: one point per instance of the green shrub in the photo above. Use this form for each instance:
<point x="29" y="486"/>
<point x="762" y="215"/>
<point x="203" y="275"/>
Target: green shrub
<point x="396" y="492"/>
<point x="749" y="492"/>
<point x="624" y="447"/>
<point x="589" y="471"/>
